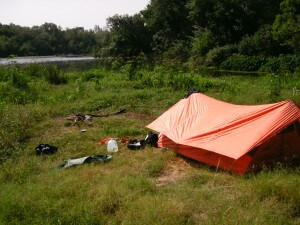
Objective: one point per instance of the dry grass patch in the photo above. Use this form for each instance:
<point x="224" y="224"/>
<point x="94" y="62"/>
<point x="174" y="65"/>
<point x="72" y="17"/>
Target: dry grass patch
<point x="174" y="171"/>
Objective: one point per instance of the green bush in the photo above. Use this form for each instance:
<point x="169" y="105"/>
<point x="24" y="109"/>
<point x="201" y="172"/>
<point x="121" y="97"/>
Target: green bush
<point x="93" y="74"/>
<point x="217" y="55"/>
<point x="3" y="74"/>
<point x="261" y="43"/>
<point x="15" y="87"/>
<point x="129" y="69"/>
<point x="54" y="76"/>
<point x="20" y="96"/>
<point x="117" y="64"/>
<point x="283" y="63"/>
<point x="178" y="52"/>
<point x="181" y="81"/>
<point x="202" y="43"/>
<point x="15" y="76"/>
<point x="243" y="63"/>
<point x="34" y="70"/>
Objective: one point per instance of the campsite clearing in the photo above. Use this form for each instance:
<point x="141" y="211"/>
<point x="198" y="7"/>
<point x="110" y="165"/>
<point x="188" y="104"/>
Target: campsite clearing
<point x="147" y="186"/>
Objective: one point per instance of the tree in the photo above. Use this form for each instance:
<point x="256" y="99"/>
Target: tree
<point x="286" y="27"/>
<point x="168" y="22"/>
<point x="55" y="37"/>
<point x="130" y="35"/>
<point x="79" y="41"/>
<point x="4" y="48"/>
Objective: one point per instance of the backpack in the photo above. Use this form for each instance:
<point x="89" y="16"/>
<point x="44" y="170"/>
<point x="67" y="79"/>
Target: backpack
<point x="151" y="139"/>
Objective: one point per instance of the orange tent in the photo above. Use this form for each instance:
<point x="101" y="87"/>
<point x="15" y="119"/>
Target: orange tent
<point x="228" y="136"/>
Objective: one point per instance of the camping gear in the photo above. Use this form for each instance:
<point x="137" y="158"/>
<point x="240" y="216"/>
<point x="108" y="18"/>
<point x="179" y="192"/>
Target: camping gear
<point x="112" y="146"/>
<point x="136" y="145"/>
<point x="232" y="137"/>
<point x="124" y="139"/>
<point x="104" y="141"/>
<point x="87" y="159"/>
<point x="151" y="139"/>
<point x="190" y="92"/>
<point x="45" y="149"/>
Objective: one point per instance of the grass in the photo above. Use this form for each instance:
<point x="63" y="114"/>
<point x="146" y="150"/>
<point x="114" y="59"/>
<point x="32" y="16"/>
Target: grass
<point x="125" y="190"/>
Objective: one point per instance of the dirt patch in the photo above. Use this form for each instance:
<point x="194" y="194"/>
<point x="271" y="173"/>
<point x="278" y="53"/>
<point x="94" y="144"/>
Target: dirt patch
<point x="174" y="171"/>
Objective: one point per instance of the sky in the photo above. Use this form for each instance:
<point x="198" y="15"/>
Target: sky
<point x="66" y="13"/>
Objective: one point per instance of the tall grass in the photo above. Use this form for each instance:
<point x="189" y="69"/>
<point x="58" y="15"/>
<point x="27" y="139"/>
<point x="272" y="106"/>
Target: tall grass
<point x="124" y="191"/>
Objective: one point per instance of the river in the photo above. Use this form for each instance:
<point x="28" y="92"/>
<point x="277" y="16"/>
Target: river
<point x="43" y="59"/>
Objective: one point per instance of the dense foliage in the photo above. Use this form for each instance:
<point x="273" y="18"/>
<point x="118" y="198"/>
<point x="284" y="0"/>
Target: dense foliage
<point x="199" y="32"/>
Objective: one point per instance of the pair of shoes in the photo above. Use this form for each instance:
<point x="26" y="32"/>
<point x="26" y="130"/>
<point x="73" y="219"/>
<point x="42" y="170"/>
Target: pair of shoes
<point x="136" y="145"/>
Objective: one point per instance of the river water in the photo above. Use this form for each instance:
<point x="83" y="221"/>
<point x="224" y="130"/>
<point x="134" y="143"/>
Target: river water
<point x="43" y="59"/>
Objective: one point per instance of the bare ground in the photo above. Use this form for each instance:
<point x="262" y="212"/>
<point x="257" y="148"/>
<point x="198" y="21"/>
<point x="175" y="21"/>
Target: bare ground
<point x="173" y="172"/>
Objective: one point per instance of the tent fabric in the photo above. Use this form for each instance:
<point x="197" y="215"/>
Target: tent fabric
<point x="203" y="124"/>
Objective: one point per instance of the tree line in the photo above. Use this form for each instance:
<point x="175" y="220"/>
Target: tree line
<point x="47" y="39"/>
<point x="197" y="31"/>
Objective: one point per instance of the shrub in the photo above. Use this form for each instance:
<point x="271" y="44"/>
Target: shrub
<point x="17" y="78"/>
<point x="12" y="94"/>
<point x="261" y="43"/>
<point x="34" y="70"/>
<point x="243" y="63"/>
<point x="181" y="81"/>
<point x="129" y="69"/>
<point x="283" y="63"/>
<point x="178" y="52"/>
<point x="3" y="74"/>
<point x="202" y="43"/>
<point x="117" y="64"/>
<point x="93" y="74"/>
<point x="53" y="75"/>
<point x="15" y="88"/>
<point x="217" y="55"/>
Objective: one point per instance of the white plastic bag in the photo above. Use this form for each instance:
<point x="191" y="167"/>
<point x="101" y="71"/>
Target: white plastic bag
<point x="112" y="146"/>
